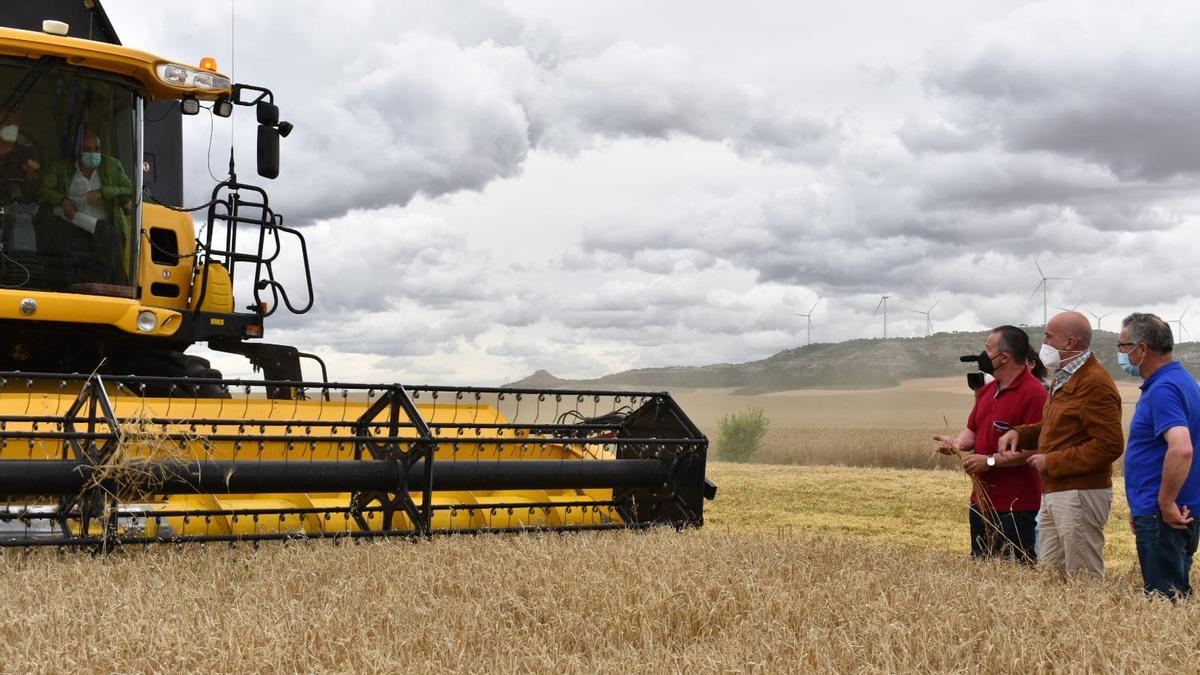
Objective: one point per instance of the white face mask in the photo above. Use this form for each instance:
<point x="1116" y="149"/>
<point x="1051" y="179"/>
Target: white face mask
<point x="1052" y="358"/>
<point x="8" y="133"/>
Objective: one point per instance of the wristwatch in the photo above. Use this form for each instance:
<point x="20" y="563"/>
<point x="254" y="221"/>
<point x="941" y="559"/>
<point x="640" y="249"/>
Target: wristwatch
<point x="991" y="461"/>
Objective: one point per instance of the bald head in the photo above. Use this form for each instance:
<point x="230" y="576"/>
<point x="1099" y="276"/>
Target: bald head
<point x="1069" y="331"/>
<point x="90" y="142"/>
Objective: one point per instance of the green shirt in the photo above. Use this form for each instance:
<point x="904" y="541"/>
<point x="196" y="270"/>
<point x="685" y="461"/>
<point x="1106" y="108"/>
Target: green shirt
<point x="114" y="183"/>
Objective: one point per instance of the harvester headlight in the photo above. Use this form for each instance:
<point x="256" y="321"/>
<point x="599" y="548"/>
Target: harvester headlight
<point x="204" y="80"/>
<point x="178" y="75"/>
<point x="173" y="74"/>
<point x="147" y="321"/>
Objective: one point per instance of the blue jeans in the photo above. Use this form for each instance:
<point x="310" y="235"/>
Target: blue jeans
<point x="1165" y="555"/>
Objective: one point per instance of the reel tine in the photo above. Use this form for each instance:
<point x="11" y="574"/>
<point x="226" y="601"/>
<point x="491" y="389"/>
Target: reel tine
<point x="28" y="395"/>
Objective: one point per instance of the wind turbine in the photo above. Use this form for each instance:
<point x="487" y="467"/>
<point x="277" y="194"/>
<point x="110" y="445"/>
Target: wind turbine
<point x="808" y="317"/>
<point x="883" y="298"/>
<point x="1045" y="291"/>
<point x="1179" y="322"/>
<point x="1098" y="317"/>
<point x="928" y="317"/>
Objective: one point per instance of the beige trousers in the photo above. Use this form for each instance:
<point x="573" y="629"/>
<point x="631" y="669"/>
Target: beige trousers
<point x="1071" y="529"/>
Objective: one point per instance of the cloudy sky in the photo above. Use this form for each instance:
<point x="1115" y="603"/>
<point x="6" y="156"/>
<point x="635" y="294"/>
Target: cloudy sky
<point x="491" y="188"/>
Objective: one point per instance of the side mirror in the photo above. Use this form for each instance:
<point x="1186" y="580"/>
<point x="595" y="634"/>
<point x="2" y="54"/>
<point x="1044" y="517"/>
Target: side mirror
<point x="268" y="113"/>
<point x="268" y="150"/>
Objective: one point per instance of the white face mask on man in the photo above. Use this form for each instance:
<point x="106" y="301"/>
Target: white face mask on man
<point x="9" y="133"/>
<point x="1052" y="358"/>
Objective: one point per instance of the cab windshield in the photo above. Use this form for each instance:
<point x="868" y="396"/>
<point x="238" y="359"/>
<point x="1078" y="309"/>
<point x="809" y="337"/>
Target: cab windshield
<point x="70" y="178"/>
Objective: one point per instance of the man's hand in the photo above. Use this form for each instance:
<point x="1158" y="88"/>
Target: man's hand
<point x="975" y="464"/>
<point x="947" y="445"/>
<point x="1037" y="461"/>
<point x="31" y="166"/>
<point x="1009" y="442"/>
<point x="69" y="208"/>
<point x="94" y="196"/>
<point x="1175" y="517"/>
<point x="1007" y="458"/>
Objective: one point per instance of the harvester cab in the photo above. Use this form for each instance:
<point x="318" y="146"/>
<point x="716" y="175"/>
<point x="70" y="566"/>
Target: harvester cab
<point x="97" y="271"/>
<point x="111" y="434"/>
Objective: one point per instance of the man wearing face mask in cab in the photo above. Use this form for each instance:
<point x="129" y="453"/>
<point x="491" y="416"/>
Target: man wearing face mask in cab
<point x="1002" y="518"/>
<point x="1076" y="443"/>
<point x="18" y="164"/>
<point x="1162" y="471"/>
<point x="89" y="197"/>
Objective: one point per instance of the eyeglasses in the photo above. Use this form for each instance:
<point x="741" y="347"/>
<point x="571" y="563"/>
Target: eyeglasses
<point x="1126" y="344"/>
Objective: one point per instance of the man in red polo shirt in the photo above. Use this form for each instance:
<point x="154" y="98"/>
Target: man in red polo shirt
<point x="1003" y="517"/>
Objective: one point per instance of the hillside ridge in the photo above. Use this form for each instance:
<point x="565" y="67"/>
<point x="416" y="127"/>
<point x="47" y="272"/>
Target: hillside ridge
<point x="858" y="363"/>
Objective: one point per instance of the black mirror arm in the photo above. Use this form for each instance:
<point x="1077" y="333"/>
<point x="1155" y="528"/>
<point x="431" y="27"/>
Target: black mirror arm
<point x="261" y="94"/>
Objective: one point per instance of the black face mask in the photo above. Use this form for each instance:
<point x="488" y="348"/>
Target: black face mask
<point x="985" y="363"/>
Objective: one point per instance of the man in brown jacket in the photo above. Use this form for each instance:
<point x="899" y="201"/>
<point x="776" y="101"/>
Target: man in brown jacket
<point x="1077" y="441"/>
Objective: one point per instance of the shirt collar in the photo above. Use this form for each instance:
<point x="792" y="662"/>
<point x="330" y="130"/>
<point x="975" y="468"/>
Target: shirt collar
<point x="1170" y="366"/>
<point x="1063" y="374"/>
<point x="1017" y="382"/>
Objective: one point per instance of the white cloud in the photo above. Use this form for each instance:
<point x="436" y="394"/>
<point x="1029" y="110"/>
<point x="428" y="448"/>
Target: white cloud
<point x="528" y="186"/>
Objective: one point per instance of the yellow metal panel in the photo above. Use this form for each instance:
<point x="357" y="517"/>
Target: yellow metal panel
<point x="79" y="308"/>
<point x="159" y="217"/>
<point x="101" y="55"/>
<point x="218" y="292"/>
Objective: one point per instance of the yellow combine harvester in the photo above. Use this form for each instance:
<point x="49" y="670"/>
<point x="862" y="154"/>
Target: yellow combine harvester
<point x="110" y="433"/>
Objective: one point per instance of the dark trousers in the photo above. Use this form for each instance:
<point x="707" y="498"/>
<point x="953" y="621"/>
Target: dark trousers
<point x="1165" y="555"/>
<point x="1010" y="534"/>
<point x="97" y="256"/>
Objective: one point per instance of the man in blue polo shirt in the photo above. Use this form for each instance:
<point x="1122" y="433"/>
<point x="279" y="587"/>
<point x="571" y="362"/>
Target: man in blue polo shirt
<point x="1162" y="479"/>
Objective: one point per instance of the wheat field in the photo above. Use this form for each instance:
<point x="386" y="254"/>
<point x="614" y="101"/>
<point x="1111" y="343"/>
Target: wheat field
<point x="855" y="427"/>
<point x="798" y="569"/>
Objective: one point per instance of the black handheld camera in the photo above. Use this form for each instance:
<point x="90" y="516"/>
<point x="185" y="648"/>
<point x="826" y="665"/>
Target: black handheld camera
<point x="975" y="380"/>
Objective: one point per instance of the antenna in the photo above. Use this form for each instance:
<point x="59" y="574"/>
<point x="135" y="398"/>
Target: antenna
<point x="232" y="78"/>
<point x="928" y="317"/>
<point x="1098" y="317"/>
<point x="1045" y="294"/>
<point x="883" y="298"/>
<point x="808" y="317"/>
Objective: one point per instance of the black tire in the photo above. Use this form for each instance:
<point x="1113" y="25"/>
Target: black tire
<point x="179" y="366"/>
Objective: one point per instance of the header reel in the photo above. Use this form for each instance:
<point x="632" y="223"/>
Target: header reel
<point x="89" y="462"/>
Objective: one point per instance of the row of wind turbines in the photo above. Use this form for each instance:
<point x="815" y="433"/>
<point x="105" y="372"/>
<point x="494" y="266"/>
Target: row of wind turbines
<point x="928" y="313"/>
<point x="1043" y="285"/>
<point x="1180" y="331"/>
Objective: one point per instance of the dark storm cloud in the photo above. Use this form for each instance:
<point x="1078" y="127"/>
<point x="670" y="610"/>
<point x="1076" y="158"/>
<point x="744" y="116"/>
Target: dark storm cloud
<point x="407" y="99"/>
<point x="626" y="90"/>
<point x="1098" y="92"/>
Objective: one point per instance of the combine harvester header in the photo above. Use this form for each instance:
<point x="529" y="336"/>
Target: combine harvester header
<point x="157" y="446"/>
<point x="95" y="464"/>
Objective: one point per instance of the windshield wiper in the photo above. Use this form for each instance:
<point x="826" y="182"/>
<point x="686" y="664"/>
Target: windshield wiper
<point x="18" y="93"/>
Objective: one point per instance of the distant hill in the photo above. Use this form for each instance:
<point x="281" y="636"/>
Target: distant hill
<point x="850" y="364"/>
